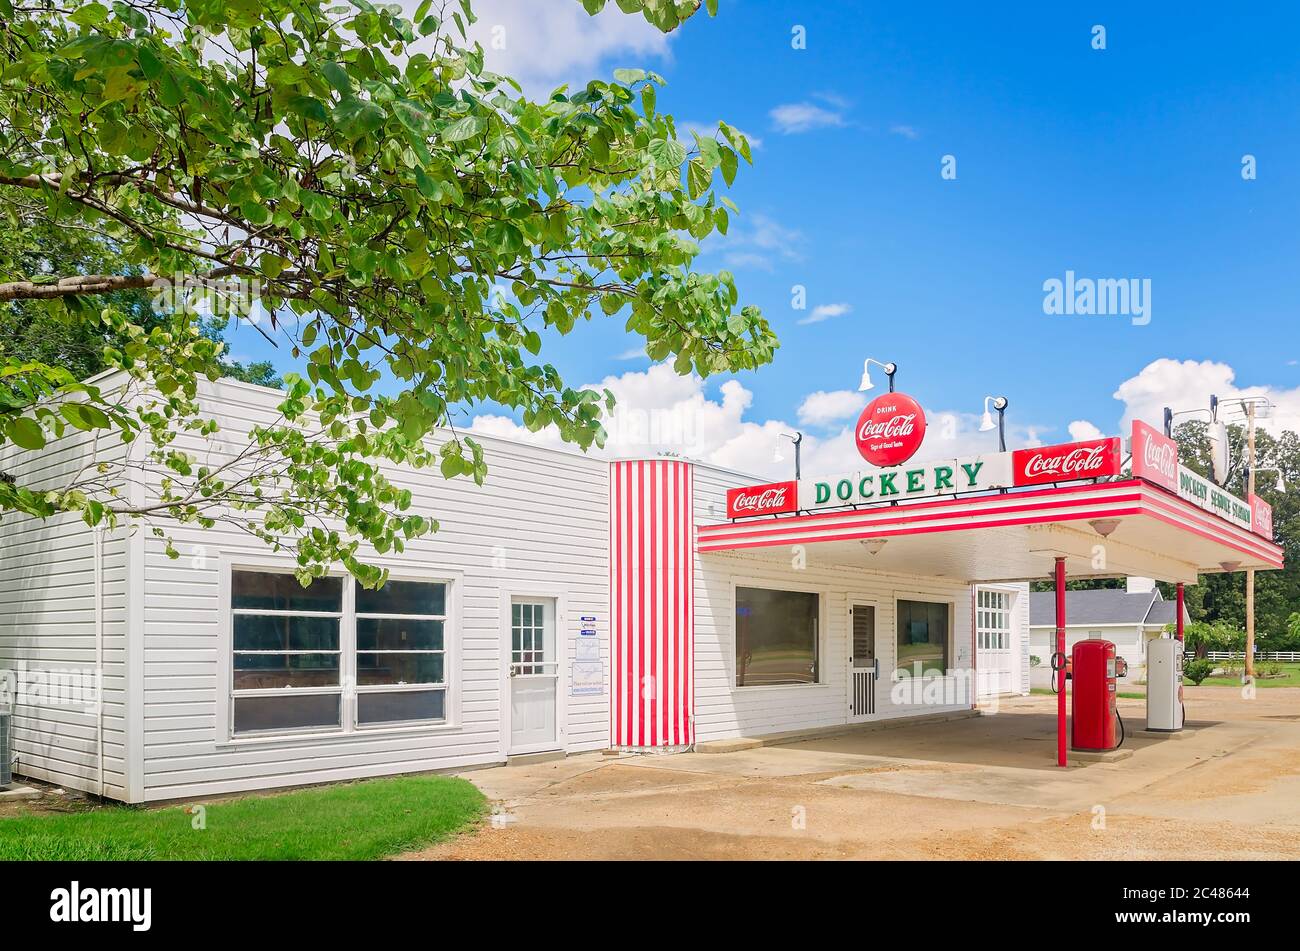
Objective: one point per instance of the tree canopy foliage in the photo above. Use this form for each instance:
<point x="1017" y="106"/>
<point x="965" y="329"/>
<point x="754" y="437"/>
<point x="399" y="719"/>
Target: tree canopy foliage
<point x="399" y="212"/>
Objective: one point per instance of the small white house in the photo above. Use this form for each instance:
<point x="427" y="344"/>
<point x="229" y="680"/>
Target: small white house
<point x="1128" y="617"/>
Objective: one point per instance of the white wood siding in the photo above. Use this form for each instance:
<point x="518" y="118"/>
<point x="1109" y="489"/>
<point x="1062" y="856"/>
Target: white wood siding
<point x="538" y="525"/>
<point x="47" y="623"/>
<point x="723" y="710"/>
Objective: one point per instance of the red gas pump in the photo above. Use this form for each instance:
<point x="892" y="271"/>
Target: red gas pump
<point x="1094" y="718"/>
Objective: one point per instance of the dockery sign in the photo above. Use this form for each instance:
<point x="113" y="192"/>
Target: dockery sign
<point x="918" y="481"/>
<point x="1201" y="491"/>
<point x="890" y="429"/>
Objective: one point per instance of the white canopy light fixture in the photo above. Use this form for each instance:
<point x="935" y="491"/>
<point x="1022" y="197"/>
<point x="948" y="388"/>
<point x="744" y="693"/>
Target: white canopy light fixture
<point x="889" y="368"/>
<point x="986" y="424"/>
<point x="873" y="545"/>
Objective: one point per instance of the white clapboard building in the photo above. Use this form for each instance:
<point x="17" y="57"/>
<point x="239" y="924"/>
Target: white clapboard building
<point x="569" y="604"/>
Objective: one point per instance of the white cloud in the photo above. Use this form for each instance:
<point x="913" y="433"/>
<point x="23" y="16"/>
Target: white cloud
<point x="1081" y="430"/>
<point x="795" y="117"/>
<point x="756" y="241"/>
<point x="906" y="131"/>
<point x="825" y="312"/>
<point x="546" y="44"/>
<point x="1187" y="384"/>
<point x="660" y="411"/>
<point x="635" y="353"/>
<point x="823" y="408"/>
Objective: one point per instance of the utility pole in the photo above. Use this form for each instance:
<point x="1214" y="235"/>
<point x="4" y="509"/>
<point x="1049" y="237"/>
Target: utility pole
<point x="1250" y="572"/>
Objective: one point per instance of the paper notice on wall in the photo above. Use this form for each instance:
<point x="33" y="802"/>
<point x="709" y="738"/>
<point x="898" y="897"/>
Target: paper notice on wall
<point x="586" y="650"/>
<point x="588" y="678"/>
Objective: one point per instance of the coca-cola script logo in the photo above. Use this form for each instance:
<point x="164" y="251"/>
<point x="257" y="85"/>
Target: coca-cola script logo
<point x="775" y="498"/>
<point x="1261" y="517"/>
<point x="890" y="429"/>
<point x="1076" y="460"/>
<point x="1155" y="456"/>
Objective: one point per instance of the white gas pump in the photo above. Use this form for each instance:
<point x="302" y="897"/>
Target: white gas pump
<point x="1165" y="685"/>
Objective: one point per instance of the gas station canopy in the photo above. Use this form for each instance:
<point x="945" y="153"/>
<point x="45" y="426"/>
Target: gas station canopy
<point x="1005" y="516"/>
<point x="1104" y="529"/>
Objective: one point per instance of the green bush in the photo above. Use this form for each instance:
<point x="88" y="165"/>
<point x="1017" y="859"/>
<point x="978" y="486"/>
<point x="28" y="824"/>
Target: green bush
<point x="1197" y="670"/>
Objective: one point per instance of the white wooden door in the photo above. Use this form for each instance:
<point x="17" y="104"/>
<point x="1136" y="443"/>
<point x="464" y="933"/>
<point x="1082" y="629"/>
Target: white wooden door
<point x="994" y="664"/>
<point x="864" y="663"/>
<point x="534" y="676"/>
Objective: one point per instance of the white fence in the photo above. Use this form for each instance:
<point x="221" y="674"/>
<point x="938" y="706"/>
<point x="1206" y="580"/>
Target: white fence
<point x="1287" y="656"/>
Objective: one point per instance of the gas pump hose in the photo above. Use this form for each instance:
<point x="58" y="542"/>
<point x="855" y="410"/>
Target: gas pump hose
<point x="1122" y="733"/>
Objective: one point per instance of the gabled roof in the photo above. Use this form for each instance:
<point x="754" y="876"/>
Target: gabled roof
<point x="1106" y="606"/>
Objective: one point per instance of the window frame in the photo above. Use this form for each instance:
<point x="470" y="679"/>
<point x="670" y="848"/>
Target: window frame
<point x="823" y="605"/>
<point x="951" y="648"/>
<point x="398" y="571"/>
<point x="989" y="636"/>
<point x="359" y="688"/>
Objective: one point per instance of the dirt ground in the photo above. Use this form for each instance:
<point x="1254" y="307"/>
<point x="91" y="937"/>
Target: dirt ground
<point x="981" y="788"/>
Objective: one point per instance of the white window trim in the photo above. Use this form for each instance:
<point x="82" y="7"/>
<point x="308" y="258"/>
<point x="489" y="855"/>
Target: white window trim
<point x="823" y="641"/>
<point x="929" y="598"/>
<point x="403" y="570"/>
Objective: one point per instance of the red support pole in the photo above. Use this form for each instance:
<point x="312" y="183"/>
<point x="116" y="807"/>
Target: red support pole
<point x="1178" y="624"/>
<point x="1060" y="651"/>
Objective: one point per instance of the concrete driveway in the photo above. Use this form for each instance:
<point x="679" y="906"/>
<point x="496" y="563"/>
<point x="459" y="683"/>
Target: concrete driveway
<point x="969" y="789"/>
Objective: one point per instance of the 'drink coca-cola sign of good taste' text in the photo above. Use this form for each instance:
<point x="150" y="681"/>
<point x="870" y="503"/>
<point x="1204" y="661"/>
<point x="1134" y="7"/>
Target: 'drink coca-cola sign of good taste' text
<point x="1091" y="459"/>
<point x="774" y="498"/>
<point x="890" y="430"/>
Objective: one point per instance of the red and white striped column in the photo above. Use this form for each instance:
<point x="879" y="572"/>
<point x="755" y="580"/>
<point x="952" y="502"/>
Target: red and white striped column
<point x="652" y="542"/>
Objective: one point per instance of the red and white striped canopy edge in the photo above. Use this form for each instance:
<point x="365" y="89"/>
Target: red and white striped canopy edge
<point x="652" y="606"/>
<point x="1064" y="504"/>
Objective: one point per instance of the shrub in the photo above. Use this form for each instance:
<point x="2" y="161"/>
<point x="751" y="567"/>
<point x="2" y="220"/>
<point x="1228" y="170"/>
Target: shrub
<point x="1197" y="670"/>
<point x="1034" y="660"/>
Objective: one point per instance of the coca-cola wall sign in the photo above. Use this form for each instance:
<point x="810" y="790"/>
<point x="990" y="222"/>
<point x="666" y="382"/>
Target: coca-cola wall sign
<point x="774" y="498"/>
<point x="902" y="483"/>
<point x="1091" y="459"/>
<point x="890" y="430"/>
<point x="1155" y="456"/>
<point x="1261" y="517"/>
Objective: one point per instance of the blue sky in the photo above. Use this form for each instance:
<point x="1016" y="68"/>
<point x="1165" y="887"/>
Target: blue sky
<point x="1117" y="163"/>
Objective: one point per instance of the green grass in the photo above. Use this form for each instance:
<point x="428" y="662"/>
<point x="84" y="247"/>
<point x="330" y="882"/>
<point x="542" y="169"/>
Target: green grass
<point x="363" y="820"/>
<point x="1290" y="678"/>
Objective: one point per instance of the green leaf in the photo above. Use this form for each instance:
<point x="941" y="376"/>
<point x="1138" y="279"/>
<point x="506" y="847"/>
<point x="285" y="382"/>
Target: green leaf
<point x="629" y="76"/>
<point x="698" y="178"/>
<point x="308" y="108"/>
<point x="337" y="77"/>
<point x="729" y="164"/>
<point x="667" y="153"/>
<point x="464" y="128"/>
<point x="150" y="64"/>
<point x="25" y="433"/>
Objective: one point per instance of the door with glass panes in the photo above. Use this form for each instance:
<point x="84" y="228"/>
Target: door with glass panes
<point x="994" y="665"/>
<point x="534" y="676"/>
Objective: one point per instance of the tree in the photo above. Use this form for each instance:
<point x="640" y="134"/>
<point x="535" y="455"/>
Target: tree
<point x="32" y="331"/>
<point x="1222" y="597"/>
<point x="396" y="209"/>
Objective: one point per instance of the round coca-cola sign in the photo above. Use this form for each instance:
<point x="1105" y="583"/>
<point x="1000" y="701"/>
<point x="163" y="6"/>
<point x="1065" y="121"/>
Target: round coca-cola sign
<point x="890" y="429"/>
